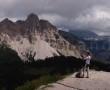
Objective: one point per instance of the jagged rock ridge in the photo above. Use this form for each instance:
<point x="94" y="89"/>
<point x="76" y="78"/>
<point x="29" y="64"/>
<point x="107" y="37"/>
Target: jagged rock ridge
<point x="37" y="37"/>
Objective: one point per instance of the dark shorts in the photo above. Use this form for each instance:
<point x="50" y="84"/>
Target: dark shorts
<point x="87" y="65"/>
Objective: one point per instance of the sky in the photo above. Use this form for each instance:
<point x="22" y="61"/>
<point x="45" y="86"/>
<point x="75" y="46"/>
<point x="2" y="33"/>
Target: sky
<point x="91" y="15"/>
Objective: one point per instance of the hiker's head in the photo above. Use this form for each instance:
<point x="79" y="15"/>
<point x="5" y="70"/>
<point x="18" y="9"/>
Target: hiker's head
<point x="88" y="53"/>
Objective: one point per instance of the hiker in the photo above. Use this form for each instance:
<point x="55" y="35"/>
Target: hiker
<point x="87" y="58"/>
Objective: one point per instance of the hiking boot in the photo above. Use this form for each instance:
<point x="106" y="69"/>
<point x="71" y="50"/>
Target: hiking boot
<point x="87" y="77"/>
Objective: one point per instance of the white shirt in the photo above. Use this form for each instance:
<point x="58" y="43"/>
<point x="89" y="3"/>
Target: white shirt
<point x="88" y="58"/>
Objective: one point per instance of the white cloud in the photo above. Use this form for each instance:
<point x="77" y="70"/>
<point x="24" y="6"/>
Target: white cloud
<point x="96" y="18"/>
<point x="54" y="18"/>
<point x="7" y="2"/>
<point x="65" y="13"/>
<point x="94" y="14"/>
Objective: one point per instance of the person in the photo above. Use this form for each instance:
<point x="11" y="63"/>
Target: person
<point x="87" y="57"/>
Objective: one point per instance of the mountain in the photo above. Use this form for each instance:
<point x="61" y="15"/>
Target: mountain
<point x="98" y="45"/>
<point x="84" y="34"/>
<point x="35" y="38"/>
<point x="70" y="37"/>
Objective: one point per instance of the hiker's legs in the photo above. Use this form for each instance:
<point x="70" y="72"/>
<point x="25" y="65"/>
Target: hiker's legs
<point x="84" y="69"/>
<point x="87" y="68"/>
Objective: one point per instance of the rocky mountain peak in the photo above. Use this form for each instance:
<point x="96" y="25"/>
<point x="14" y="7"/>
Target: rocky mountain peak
<point x="32" y="23"/>
<point x="10" y="28"/>
<point x="32" y="18"/>
<point x="36" y="35"/>
<point x="6" y="21"/>
<point x="46" y="24"/>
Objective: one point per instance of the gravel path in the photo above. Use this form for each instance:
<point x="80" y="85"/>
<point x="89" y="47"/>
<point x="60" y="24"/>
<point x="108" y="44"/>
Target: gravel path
<point x="98" y="80"/>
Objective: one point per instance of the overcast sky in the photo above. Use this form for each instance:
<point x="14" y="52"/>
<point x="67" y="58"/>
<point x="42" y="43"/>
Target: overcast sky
<point x="81" y="14"/>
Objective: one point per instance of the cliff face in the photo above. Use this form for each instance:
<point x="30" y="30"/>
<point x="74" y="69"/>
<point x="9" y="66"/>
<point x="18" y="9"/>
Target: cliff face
<point x="38" y="38"/>
<point x="50" y="34"/>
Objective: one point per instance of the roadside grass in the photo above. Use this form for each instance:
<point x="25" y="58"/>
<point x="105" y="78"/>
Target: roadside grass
<point x="44" y="80"/>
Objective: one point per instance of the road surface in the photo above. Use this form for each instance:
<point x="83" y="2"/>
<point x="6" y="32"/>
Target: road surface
<point x="98" y="80"/>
